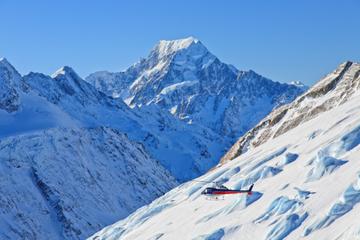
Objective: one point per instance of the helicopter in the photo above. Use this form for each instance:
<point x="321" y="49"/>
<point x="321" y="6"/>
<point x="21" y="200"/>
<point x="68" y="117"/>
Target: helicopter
<point x="220" y="189"/>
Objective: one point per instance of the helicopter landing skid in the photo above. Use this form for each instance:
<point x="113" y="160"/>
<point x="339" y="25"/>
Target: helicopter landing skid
<point x="215" y="198"/>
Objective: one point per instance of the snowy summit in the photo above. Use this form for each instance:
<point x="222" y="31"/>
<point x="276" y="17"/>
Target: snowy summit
<point x="168" y="47"/>
<point x="185" y="78"/>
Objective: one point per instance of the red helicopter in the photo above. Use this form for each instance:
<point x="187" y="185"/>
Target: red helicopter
<point x="220" y="189"/>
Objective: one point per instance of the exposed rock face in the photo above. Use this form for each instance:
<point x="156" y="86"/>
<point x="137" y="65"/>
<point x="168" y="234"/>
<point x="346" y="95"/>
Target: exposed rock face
<point x="331" y="91"/>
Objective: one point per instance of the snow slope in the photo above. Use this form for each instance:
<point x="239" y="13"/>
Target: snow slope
<point x="333" y="90"/>
<point x="306" y="180"/>
<point x="22" y="109"/>
<point x="66" y="183"/>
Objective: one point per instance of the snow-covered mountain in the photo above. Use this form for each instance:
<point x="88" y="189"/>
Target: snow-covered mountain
<point x="66" y="183"/>
<point x="74" y="159"/>
<point x="72" y="101"/>
<point x="304" y="161"/>
<point x="184" y="78"/>
<point x="64" y="172"/>
<point x="336" y="88"/>
<point x="22" y="109"/>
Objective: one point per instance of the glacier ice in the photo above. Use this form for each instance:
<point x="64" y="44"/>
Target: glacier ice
<point x="286" y="226"/>
<point x="348" y="200"/>
<point x="279" y="206"/>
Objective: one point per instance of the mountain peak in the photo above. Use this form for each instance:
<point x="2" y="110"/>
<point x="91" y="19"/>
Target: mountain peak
<point x="169" y="47"/>
<point x="10" y="81"/>
<point x="65" y="70"/>
<point x="11" y="72"/>
<point x="4" y="63"/>
<point x="70" y="81"/>
<point x="178" y="44"/>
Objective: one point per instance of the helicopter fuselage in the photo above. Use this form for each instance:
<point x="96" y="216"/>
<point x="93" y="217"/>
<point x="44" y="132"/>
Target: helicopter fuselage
<point x="223" y="191"/>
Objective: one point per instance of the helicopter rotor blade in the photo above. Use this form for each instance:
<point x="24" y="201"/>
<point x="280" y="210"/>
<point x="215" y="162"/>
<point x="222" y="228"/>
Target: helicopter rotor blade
<point x="206" y="181"/>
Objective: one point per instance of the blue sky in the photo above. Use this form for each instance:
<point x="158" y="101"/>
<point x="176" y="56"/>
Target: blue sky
<point x="281" y="39"/>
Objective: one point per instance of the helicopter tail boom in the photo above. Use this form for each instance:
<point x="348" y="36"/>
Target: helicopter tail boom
<point x="250" y="189"/>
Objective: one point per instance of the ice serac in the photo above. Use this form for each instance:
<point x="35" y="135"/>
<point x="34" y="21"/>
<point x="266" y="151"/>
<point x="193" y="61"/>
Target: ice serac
<point x="333" y="90"/>
<point x="185" y="78"/>
<point x="306" y="179"/>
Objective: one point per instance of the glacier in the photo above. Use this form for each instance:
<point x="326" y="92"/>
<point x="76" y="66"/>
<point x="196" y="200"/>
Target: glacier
<point x="287" y="205"/>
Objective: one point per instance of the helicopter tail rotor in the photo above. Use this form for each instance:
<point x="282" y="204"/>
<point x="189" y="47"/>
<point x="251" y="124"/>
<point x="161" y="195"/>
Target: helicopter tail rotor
<point x="249" y="192"/>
